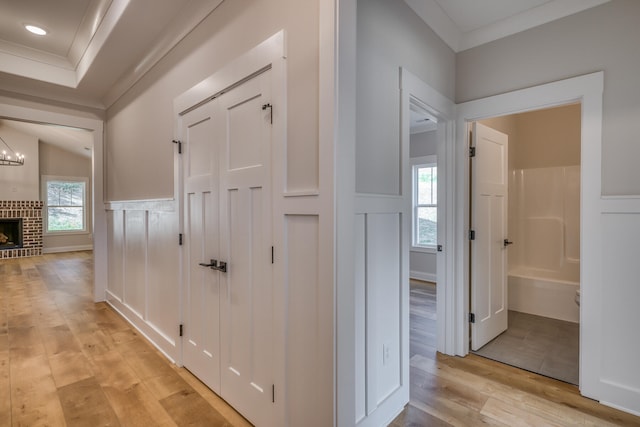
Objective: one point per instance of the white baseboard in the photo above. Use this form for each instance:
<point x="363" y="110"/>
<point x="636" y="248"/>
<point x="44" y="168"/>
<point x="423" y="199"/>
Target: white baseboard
<point x="165" y="344"/>
<point x="421" y="275"/>
<point x="67" y="249"/>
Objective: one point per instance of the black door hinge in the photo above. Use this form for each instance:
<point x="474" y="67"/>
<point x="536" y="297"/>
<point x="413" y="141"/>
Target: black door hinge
<point x="439" y="248"/>
<point x="273" y="257"/>
<point x="181" y="329"/>
<point x="472" y="151"/>
<point x="472" y="234"/>
<point x="180" y="239"/>
<point x="179" y="145"/>
<point x="270" y="107"/>
<point x="472" y="318"/>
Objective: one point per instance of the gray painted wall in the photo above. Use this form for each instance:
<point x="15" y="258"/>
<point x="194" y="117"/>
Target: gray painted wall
<point x="55" y="161"/>
<point x="603" y="38"/>
<point x="423" y="144"/>
<point x="140" y="124"/>
<point x="390" y="36"/>
<point x="20" y="182"/>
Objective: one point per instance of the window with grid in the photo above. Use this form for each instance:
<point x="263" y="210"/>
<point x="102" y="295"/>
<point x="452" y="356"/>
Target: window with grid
<point x="425" y="203"/>
<point x="65" y="204"/>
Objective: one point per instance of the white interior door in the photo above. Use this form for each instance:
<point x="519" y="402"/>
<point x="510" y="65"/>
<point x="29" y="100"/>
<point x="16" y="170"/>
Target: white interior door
<point x="489" y="187"/>
<point x="228" y="327"/>
<point x="244" y="132"/>
<point x="201" y="335"/>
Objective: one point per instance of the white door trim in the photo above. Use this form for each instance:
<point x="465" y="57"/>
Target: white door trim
<point x="588" y="90"/>
<point x="96" y="126"/>
<point x="443" y="109"/>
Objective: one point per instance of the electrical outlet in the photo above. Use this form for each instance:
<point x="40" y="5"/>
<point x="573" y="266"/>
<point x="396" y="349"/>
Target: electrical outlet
<point x="386" y="354"/>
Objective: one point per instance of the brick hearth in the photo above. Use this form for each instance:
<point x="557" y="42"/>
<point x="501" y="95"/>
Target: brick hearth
<point x="31" y="214"/>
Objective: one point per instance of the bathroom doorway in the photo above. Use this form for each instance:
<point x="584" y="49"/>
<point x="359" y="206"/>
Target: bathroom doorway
<point x="543" y="267"/>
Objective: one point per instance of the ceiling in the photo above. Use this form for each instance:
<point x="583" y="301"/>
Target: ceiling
<point x="97" y="49"/>
<point x="94" y="50"/>
<point x="464" y="24"/>
<point x="78" y="141"/>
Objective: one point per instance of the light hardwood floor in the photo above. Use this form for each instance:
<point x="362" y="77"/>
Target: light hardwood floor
<point x="65" y="360"/>
<point x="472" y="391"/>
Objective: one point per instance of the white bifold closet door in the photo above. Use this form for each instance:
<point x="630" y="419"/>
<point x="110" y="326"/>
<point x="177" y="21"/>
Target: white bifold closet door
<point x="228" y="330"/>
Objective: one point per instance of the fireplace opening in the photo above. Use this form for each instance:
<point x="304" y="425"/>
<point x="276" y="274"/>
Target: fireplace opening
<point x="10" y="233"/>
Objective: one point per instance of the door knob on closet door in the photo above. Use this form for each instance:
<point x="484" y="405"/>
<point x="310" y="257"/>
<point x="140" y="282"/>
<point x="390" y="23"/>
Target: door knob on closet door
<point x="507" y="242"/>
<point x="222" y="267"/>
<point x="213" y="264"/>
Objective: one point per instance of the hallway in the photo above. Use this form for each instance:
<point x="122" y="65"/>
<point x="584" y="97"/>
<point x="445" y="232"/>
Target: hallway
<point x="470" y="391"/>
<point x="67" y="361"/>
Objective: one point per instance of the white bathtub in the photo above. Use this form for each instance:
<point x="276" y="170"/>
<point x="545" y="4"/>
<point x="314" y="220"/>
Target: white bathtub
<point x="543" y="293"/>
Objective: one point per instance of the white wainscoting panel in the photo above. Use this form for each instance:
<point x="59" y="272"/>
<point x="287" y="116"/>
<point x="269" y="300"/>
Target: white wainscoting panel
<point x="163" y="273"/>
<point x="620" y="340"/>
<point x="383" y="289"/>
<point x="360" y="317"/>
<point x="115" y="246"/>
<point x="303" y="321"/>
<point x="135" y="261"/>
<point x="379" y="312"/>
<point x="144" y="269"/>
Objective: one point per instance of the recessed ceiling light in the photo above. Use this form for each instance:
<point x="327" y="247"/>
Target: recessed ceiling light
<point x="36" y="30"/>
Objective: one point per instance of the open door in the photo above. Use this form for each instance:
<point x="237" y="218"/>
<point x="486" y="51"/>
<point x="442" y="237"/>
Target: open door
<point x="489" y="184"/>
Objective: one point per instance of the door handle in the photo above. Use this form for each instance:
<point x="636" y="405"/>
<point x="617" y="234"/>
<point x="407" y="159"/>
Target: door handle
<point x="507" y="242"/>
<point x="214" y="264"/>
<point x="222" y="267"/>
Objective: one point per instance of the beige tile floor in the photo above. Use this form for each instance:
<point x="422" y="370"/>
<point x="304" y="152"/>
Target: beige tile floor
<point x="538" y="344"/>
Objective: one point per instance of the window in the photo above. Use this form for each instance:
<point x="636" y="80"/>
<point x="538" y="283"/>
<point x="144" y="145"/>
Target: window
<point x="425" y="202"/>
<point x="65" y="202"/>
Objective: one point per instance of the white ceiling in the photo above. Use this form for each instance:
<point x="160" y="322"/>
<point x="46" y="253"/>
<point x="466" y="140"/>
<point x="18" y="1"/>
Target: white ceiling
<point x="78" y="141"/>
<point x="464" y="24"/>
<point x="95" y="49"/>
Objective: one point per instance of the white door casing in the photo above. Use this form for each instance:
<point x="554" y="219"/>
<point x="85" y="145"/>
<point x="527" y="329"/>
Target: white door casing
<point x="489" y="185"/>
<point x="228" y="312"/>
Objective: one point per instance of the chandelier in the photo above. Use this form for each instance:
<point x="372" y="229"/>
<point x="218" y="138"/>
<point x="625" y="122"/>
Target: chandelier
<point x="10" y="158"/>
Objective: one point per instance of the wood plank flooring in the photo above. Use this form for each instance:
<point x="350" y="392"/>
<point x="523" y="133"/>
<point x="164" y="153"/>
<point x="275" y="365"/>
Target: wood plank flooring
<point x="65" y="360"/>
<point x="471" y="391"/>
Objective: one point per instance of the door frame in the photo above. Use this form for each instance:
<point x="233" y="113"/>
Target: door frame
<point x="413" y="90"/>
<point x="99" y="221"/>
<point x="588" y="90"/>
<point x="269" y="54"/>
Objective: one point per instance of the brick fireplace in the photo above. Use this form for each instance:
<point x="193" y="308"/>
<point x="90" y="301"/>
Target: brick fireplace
<point x="31" y="214"/>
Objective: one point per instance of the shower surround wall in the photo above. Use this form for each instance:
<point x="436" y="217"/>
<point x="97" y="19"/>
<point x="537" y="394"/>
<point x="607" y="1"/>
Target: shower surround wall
<point x="544" y="264"/>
